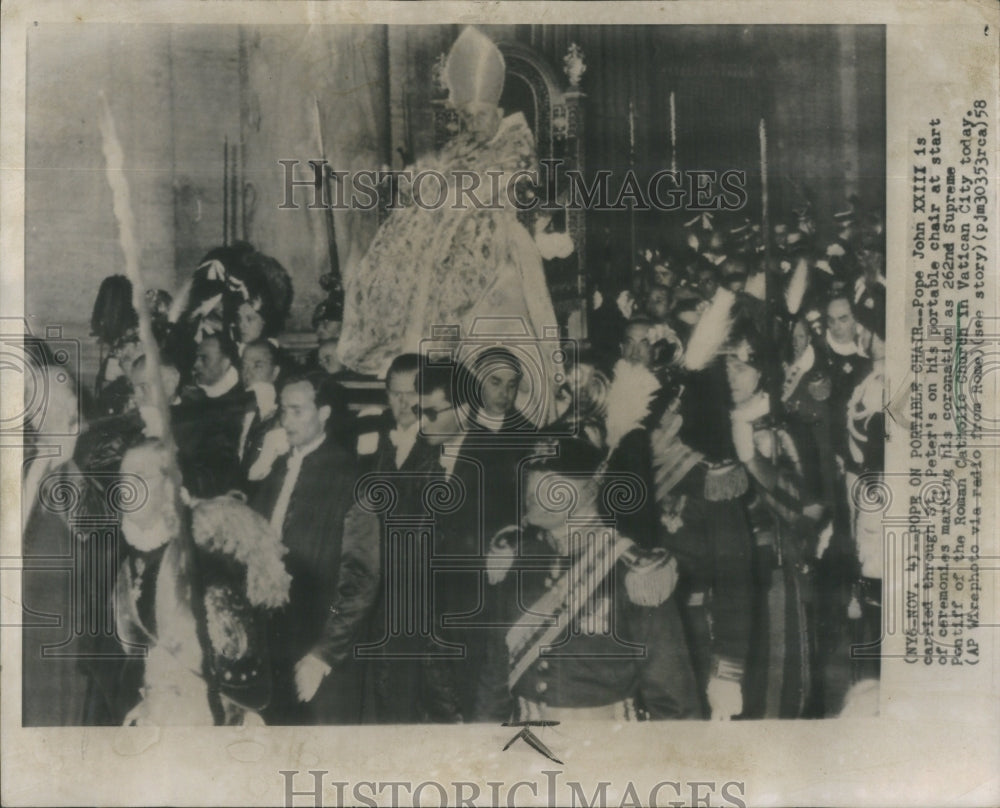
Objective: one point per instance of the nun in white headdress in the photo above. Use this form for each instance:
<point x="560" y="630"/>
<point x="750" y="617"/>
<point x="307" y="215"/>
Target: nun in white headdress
<point x="435" y="262"/>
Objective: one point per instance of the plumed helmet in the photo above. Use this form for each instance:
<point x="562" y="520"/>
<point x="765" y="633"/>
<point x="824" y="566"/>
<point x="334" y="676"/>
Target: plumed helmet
<point x="474" y="71"/>
<point x="113" y="313"/>
<point x="230" y="276"/>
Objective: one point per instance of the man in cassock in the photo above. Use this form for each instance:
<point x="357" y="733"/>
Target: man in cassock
<point x="333" y="558"/>
<point x="208" y="421"/>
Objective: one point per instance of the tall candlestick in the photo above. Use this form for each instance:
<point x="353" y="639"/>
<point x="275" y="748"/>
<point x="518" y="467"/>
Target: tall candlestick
<point x="225" y="190"/>
<point x="770" y="289"/>
<point x="631" y="128"/>
<point x="673" y="133"/>
<point x="631" y="208"/>
<point x="762" y="132"/>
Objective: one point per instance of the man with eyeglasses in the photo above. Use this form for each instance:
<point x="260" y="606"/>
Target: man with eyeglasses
<point x="407" y="678"/>
<point x="460" y="536"/>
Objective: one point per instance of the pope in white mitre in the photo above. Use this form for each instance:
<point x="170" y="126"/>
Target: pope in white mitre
<point x="443" y="264"/>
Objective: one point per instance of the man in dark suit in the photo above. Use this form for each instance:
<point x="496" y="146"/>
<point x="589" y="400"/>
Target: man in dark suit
<point x="408" y="677"/>
<point x="386" y="441"/>
<point x="333" y="558"/>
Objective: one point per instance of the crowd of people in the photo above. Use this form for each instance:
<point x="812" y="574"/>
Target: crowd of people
<point x="691" y="536"/>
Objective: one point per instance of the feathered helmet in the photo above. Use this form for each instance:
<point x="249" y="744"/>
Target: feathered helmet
<point x="745" y="346"/>
<point x="113" y="314"/>
<point x="228" y="277"/>
<point x="244" y="576"/>
<point x="475" y="71"/>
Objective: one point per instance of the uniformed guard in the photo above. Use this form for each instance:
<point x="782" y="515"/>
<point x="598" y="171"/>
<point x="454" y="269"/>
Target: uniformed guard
<point x="596" y="602"/>
<point x="788" y="519"/>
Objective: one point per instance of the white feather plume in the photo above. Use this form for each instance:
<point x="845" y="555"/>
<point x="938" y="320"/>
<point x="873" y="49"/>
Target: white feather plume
<point x="711" y="331"/>
<point x="797" y="286"/>
<point x="629" y="399"/>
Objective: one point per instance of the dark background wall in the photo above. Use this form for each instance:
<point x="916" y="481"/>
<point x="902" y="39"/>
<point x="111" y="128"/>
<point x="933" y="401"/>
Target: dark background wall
<point x="178" y="93"/>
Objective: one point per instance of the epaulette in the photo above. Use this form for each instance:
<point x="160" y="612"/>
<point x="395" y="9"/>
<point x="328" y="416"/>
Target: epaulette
<point x="726" y="481"/>
<point x="651" y="576"/>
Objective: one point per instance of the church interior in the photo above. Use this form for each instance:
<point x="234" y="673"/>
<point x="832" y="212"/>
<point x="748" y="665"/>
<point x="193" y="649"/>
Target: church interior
<point x="684" y="254"/>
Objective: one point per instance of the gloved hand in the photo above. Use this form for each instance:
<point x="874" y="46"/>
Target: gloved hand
<point x="275" y="445"/>
<point x="152" y="421"/>
<point x="309" y="673"/>
<point x="725" y="698"/>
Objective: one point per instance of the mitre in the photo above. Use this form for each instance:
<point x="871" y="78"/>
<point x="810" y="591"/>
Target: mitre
<point x="474" y="71"/>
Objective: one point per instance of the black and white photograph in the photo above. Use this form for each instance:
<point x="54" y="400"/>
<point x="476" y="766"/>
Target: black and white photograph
<point x="515" y="375"/>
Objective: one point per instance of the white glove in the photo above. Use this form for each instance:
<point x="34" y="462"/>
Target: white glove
<point x="138" y="716"/>
<point x="625" y="303"/>
<point x="554" y="245"/>
<point x="275" y="445"/>
<point x="152" y="420"/>
<point x="309" y="673"/>
<point x="763" y="441"/>
<point x="725" y="698"/>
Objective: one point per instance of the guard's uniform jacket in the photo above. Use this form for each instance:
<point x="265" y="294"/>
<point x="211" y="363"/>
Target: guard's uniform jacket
<point x="708" y="532"/>
<point x="623" y="646"/>
<point x="786" y="542"/>
<point x="700" y="493"/>
<point x="806" y="404"/>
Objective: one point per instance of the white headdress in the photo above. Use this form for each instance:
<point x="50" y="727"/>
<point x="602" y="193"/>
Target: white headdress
<point x="475" y="70"/>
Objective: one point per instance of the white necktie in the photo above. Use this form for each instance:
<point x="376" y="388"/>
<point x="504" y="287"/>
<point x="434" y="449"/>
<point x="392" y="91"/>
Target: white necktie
<point x="448" y="463"/>
<point x="247" y="423"/>
<point x="291" y="477"/>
